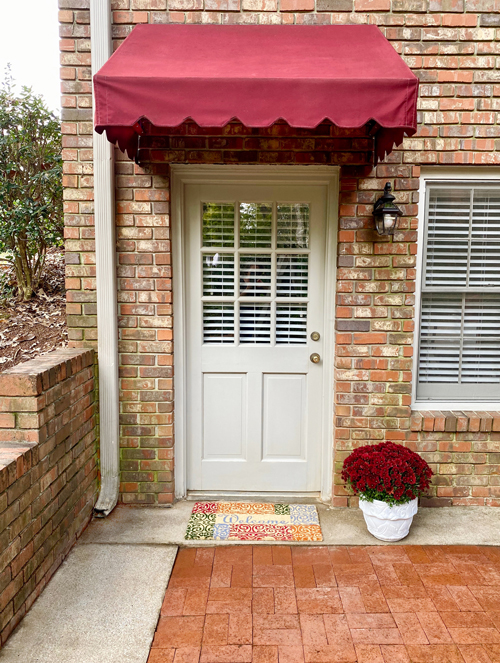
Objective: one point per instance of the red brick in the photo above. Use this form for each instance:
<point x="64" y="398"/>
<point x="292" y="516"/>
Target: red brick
<point x="296" y="5"/>
<point x="372" y="5"/>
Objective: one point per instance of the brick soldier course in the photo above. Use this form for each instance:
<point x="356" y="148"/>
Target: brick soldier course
<point x="453" y="47"/>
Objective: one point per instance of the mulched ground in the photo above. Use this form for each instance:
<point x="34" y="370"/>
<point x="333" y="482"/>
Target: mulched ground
<point x="291" y="604"/>
<point x="34" y="328"/>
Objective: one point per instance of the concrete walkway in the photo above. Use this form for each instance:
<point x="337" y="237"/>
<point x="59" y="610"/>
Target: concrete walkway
<point x="102" y="605"/>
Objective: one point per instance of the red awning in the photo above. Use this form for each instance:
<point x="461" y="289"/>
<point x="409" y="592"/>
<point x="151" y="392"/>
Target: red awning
<point x="257" y="74"/>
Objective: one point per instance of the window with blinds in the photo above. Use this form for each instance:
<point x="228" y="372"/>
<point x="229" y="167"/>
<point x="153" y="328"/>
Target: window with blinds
<point x="459" y="349"/>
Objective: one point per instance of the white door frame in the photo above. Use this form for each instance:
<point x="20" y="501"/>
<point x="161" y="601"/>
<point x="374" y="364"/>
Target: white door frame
<point x="181" y="175"/>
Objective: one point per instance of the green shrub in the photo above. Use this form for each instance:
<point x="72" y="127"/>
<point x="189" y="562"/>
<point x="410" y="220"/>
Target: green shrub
<point x="31" y="214"/>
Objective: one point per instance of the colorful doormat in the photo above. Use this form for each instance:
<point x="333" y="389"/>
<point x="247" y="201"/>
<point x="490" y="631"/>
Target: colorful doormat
<point x="245" y="521"/>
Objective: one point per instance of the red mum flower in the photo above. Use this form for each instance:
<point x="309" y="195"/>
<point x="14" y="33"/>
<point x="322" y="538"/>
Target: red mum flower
<point x="387" y="472"/>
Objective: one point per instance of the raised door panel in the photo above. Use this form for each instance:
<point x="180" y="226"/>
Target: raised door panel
<point x="284" y="417"/>
<point x="224" y="425"/>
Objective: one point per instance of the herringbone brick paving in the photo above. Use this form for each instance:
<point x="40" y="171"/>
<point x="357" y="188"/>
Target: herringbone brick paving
<point x="282" y="604"/>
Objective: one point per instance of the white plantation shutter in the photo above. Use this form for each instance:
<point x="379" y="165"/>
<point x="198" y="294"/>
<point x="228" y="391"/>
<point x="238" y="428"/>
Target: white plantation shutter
<point x="218" y="274"/>
<point x="291" y="324"/>
<point x="218" y="323"/>
<point x="292" y="275"/>
<point x="255" y="275"/>
<point x="255" y="323"/>
<point x="459" y="353"/>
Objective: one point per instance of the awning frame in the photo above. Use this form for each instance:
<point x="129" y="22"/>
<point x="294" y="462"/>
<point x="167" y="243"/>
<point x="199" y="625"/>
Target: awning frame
<point x="257" y="75"/>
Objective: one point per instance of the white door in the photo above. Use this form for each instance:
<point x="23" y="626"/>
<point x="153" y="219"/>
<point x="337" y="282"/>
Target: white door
<point x="255" y="262"/>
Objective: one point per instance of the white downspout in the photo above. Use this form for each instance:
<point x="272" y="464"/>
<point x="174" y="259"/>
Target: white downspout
<point x="107" y="305"/>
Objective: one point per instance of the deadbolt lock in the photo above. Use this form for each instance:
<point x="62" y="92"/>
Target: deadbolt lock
<point x="315" y="358"/>
<point x="315" y="336"/>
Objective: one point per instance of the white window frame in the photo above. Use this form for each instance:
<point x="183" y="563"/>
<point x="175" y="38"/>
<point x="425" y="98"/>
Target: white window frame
<point x="430" y="176"/>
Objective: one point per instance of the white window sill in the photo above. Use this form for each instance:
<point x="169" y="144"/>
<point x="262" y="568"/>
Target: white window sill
<point x="456" y="406"/>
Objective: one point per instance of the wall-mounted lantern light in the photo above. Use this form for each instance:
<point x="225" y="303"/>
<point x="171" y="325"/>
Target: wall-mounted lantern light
<point x="386" y="213"/>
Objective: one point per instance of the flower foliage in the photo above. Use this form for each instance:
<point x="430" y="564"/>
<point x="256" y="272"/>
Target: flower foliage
<point x="387" y="472"/>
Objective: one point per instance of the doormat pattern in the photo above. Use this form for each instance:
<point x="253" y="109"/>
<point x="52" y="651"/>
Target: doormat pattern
<point x="245" y="521"/>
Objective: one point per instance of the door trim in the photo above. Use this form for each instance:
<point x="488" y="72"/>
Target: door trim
<point x="181" y="175"/>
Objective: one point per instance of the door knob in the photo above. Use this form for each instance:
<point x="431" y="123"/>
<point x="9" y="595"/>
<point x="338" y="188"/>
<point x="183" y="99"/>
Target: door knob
<point x="315" y="357"/>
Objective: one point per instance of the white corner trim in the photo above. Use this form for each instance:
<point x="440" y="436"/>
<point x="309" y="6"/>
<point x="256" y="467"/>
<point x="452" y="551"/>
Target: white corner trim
<point x="179" y="310"/>
<point x="205" y="174"/>
<point x="107" y="306"/>
<point x="427" y="176"/>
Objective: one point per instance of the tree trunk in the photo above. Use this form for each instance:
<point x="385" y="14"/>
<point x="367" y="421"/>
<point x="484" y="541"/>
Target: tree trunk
<point x="23" y="270"/>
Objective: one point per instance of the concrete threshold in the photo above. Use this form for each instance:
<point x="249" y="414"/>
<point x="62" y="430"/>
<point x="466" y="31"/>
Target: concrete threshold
<point x="439" y="526"/>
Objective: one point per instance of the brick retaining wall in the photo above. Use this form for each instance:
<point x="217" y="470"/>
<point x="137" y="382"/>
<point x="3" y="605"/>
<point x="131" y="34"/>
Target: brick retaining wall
<point x="48" y="472"/>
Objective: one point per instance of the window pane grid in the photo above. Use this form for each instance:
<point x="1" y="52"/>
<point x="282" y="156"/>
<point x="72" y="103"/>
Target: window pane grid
<point x="255" y="270"/>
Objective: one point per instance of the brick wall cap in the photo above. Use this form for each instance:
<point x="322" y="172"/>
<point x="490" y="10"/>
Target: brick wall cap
<point x="35" y="375"/>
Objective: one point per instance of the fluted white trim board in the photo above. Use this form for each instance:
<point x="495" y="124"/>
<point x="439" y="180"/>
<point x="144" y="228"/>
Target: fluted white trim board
<point x="107" y="313"/>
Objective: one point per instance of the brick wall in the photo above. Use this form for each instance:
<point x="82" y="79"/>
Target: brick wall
<point x="48" y="472"/>
<point x="452" y="46"/>
<point x="463" y="449"/>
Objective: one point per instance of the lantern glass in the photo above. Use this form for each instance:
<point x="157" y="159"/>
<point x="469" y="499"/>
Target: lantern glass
<point x="386" y="213"/>
<point x="389" y="221"/>
<point x="379" y="224"/>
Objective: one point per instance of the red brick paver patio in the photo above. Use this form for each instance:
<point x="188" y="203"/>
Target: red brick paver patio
<point x="280" y="604"/>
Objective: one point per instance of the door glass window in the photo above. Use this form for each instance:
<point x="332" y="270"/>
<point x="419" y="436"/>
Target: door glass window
<point x="256" y="225"/>
<point x="218" y="224"/>
<point x="255" y="268"/>
<point x="255" y="275"/>
<point x="293" y="226"/>
<point x="218" y="274"/>
<point x="218" y="323"/>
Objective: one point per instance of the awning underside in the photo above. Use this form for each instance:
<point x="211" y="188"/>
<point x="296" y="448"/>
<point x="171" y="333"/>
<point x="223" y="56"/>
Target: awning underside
<point x="258" y="75"/>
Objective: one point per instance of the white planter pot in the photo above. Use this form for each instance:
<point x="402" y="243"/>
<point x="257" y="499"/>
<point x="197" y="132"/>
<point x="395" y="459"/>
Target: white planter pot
<point x="386" y="522"/>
